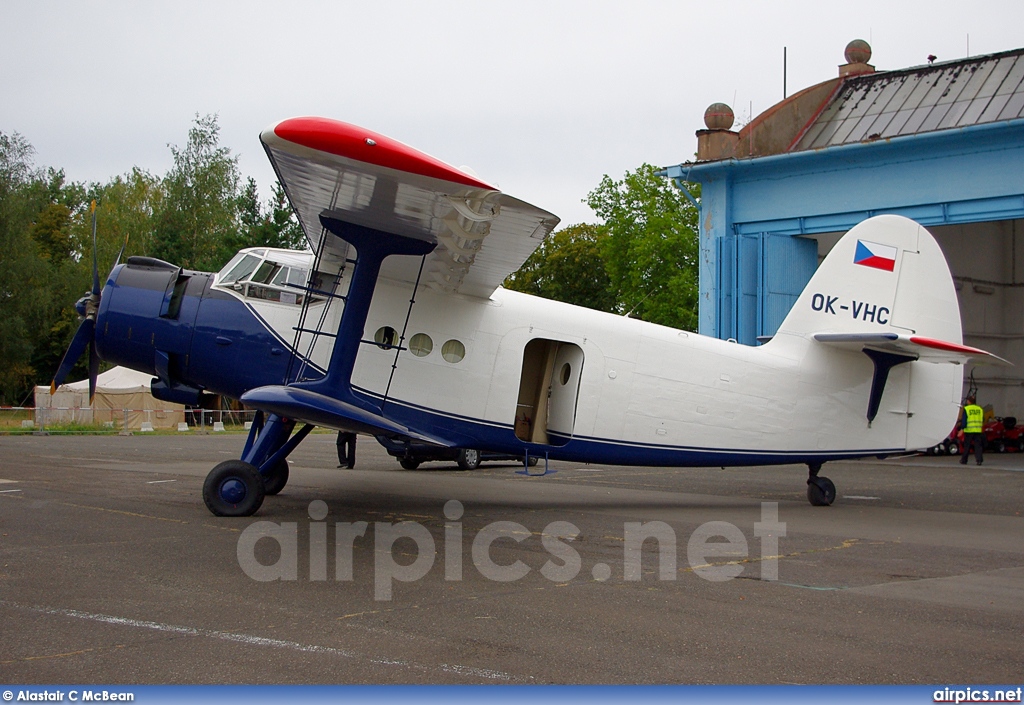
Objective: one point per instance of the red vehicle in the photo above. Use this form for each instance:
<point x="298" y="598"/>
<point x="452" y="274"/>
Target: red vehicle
<point x="1002" y="434"/>
<point x="1013" y="436"/>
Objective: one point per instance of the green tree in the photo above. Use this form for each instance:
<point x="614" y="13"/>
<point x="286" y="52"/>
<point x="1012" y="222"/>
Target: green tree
<point x="52" y="233"/>
<point x="273" y="226"/>
<point x="195" y="216"/>
<point x="197" y="222"/>
<point x="126" y="212"/>
<point x="66" y="246"/>
<point x="286" y="225"/>
<point x="651" y="248"/>
<point x="38" y="247"/>
<point x="569" y="267"/>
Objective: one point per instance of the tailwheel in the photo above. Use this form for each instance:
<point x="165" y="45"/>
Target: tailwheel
<point x="276" y="478"/>
<point x="233" y="488"/>
<point x="821" y="491"/>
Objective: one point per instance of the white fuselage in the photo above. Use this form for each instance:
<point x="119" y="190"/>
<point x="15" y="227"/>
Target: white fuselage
<point x="627" y="390"/>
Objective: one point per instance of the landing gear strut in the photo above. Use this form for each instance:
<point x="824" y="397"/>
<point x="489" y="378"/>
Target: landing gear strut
<point x="236" y="488"/>
<point x="821" y="492"/>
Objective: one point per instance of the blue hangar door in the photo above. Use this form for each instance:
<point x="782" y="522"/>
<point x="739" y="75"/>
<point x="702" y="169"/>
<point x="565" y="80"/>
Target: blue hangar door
<point x="760" y="277"/>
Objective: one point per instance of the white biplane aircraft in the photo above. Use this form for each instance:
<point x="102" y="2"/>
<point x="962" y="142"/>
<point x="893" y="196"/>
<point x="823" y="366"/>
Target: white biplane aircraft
<point x="395" y="324"/>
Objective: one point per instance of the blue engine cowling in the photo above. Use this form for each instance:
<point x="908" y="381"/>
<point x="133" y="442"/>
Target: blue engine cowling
<point x="158" y="318"/>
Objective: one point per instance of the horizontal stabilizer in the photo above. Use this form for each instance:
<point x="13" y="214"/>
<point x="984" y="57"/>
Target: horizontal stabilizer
<point x="927" y="349"/>
<point x="321" y="410"/>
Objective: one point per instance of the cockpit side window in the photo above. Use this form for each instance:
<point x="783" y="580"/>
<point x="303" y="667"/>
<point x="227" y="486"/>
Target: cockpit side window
<point x="266" y="272"/>
<point x="281" y="277"/>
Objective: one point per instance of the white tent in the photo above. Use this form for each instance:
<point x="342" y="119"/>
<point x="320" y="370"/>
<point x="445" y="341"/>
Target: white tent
<point x="121" y="394"/>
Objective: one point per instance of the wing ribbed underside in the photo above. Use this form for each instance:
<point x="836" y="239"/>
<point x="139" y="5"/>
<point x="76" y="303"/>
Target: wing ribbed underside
<point x="482" y="235"/>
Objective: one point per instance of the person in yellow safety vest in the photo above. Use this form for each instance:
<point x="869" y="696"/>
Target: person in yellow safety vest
<point x="971" y="421"/>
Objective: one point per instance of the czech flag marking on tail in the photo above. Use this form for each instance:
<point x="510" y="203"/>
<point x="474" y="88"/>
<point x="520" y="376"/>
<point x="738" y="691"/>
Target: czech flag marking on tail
<point x="871" y="254"/>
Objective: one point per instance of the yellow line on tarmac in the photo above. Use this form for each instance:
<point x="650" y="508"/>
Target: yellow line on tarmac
<point x="848" y="543"/>
<point x="121" y="512"/>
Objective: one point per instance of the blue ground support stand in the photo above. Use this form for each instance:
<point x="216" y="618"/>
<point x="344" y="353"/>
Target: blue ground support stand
<point x="526" y="467"/>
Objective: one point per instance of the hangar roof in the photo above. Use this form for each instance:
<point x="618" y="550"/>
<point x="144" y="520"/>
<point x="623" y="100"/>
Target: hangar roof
<point x="927" y="98"/>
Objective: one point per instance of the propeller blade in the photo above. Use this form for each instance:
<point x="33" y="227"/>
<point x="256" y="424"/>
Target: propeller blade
<point x="86" y="333"/>
<point x="123" y="246"/>
<point x="94" y="368"/>
<point x="95" y="266"/>
<point x="83" y="336"/>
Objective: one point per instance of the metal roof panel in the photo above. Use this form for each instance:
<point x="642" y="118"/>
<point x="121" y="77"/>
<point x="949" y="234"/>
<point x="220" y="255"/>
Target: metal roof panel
<point x="1013" y="107"/>
<point x="921" y="99"/>
<point x="1011" y="84"/>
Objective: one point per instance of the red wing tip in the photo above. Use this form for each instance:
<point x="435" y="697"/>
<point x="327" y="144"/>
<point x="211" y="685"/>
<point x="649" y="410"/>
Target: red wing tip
<point x="353" y="142"/>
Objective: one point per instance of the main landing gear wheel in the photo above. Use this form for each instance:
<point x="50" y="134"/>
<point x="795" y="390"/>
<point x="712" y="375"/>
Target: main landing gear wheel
<point x="233" y="488"/>
<point x="409" y="463"/>
<point x="275" y="480"/>
<point x="469" y="459"/>
<point x="821" y="492"/>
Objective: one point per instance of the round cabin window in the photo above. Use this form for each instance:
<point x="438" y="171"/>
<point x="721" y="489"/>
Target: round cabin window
<point x="420" y="345"/>
<point x="566" y="373"/>
<point x="385" y="337"/>
<point x="453" y="351"/>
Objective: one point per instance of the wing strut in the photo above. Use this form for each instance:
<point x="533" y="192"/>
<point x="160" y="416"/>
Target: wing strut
<point x="300" y="328"/>
<point x="329" y="401"/>
<point x="372" y="247"/>
<point x="405" y="329"/>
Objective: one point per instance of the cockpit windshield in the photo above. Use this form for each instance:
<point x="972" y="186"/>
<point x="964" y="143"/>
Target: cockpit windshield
<point x="269" y="274"/>
<point x="240" y="267"/>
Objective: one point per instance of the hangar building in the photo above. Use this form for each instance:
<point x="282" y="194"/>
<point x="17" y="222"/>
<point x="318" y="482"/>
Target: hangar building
<point x="941" y="143"/>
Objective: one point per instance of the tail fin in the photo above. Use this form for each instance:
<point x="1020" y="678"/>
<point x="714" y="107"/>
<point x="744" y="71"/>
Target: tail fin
<point x="886" y="275"/>
<point x="885" y="291"/>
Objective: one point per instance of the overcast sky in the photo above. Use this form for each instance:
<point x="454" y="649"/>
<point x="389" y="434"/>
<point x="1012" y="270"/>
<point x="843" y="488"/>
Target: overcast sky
<point x="539" y="98"/>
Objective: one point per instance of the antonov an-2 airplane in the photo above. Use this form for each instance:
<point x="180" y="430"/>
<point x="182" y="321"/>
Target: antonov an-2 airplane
<point x="395" y="324"/>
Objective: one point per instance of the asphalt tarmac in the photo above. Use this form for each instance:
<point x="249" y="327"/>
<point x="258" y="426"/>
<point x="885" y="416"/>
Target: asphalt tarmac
<point x="113" y="571"/>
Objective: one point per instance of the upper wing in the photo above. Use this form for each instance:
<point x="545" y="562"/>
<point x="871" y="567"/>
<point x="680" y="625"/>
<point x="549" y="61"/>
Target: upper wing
<point x="922" y="348"/>
<point x="333" y="168"/>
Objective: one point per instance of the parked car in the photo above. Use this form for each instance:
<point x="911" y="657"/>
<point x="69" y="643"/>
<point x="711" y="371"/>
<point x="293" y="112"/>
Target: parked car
<point x="1002" y="434"/>
<point x="411" y="456"/>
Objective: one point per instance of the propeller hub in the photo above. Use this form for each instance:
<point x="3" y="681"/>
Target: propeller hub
<point x="92" y="306"/>
<point x="82" y="305"/>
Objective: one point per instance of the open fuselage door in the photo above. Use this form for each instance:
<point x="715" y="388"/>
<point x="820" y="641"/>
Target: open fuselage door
<point x="548" y="390"/>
